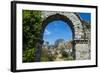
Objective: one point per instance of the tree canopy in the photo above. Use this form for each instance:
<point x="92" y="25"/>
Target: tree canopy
<point x="31" y="31"/>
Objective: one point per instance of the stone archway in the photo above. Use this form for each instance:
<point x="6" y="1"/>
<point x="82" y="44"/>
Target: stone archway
<point x="70" y="17"/>
<point x="75" y="24"/>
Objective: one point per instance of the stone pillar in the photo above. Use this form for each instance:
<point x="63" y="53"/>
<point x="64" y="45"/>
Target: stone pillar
<point x="82" y="50"/>
<point x="73" y="50"/>
<point x="38" y="50"/>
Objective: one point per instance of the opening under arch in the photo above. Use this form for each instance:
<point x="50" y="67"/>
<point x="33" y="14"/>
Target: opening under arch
<point x="57" y="29"/>
<point x="58" y="38"/>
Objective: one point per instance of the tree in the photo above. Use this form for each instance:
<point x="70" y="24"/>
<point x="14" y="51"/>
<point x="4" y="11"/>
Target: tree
<point x="31" y="32"/>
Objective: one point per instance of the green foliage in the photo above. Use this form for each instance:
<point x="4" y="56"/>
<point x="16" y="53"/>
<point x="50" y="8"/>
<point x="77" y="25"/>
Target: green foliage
<point x="64" y="54"/>
<point x="70" y="58"/>
<point x="66" y="57"/>
<point x="28" y="55"/>
<point x="31" y="27"/>
<point x="31" y="31"/>
<point x="51" y="57"/>
<point x="46" y="57"/>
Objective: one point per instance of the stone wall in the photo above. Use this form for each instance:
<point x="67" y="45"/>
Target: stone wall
<point x="78" y="27"/>
<point x="82" y="51"/>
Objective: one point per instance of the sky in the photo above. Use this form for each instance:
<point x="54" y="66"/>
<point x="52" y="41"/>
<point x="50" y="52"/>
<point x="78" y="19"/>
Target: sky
<point x="86" y="16"/>
<point x="59" y="29"/>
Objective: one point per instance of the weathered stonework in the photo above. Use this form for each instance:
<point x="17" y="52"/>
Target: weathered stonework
<point x="82" y="48"/>
<point x="71" y="16"/>
<point x="82" y="51"/>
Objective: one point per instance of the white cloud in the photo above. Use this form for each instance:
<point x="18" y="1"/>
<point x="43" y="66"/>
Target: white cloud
<point x="47" y="32"/>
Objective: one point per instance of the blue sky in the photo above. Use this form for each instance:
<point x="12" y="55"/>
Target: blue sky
<point x="86" y="16"/>
<point x="59" y="29"/>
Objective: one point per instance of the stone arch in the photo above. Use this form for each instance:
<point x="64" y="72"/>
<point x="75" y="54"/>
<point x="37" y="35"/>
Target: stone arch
<point x="72" y="18"/>
<point x="77" y="26"/>
<point x="63" y="18"/>
<point x="73" y="21"/>
<point x="57" y="17"/>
